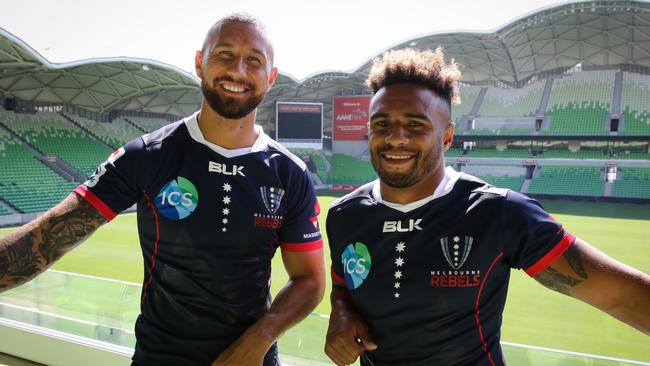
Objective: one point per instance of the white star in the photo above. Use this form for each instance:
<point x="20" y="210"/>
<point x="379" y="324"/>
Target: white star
<point x="226" y="200"/>
<point x="456" y="239"/>
<point x="397" y="295"/>
<point x="398" y="274"/>
<point x="456" y="246"/>
<point x="397" y="284"/>
<point x="223" y="229"/>
<point x="227" y="187"/>
<point x="225" y="211"/>
<point x="456" y="253"/>
<point x="399" y="261"/>
<point x="400" y="246"/>
<point x="225" y="221"/>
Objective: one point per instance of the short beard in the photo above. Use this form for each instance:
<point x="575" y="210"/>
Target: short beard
<point x="225" y="106"/>
<point x="406" y="179"/>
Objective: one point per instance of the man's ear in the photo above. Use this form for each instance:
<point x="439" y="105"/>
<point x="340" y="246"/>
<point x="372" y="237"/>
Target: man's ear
<point x="448" y="137"/>
<point x="272" y="76"/>
<point x="198" y="61"/>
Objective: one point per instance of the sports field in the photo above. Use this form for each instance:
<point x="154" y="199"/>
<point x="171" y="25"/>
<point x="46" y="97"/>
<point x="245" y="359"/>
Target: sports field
<point x="534" y="315"/>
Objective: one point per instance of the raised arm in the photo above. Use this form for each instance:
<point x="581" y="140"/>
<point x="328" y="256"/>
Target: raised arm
<point x="587" y="274"/>
<point x="32" y="248"/>
<point x="293" y="303"/>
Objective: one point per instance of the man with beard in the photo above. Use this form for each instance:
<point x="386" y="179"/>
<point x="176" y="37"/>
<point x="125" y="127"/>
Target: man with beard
<point x="216" y="197"/>
<point x="421" y="258"/>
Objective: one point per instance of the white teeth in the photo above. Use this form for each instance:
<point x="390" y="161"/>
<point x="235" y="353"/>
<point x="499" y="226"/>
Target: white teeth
<point x="397" y="157"/>
<point x="232" y="88"/>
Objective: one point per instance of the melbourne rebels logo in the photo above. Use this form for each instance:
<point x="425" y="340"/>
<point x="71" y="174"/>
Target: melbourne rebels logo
<point x="356" y="264"/>
<point x="456" y="254"/>
<point x="272" y="197"/>
<point x="177" y="199"/>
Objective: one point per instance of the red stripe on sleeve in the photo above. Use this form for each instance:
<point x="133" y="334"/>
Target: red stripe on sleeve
<point x="95" y="201"/>
<point x="336" y="278"/>
<point x="552" y="255"/>
<point x="302" y="247"/>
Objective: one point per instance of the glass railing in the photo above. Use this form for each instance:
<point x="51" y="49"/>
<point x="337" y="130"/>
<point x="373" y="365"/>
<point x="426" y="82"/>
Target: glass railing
<point x="105" y="310"/>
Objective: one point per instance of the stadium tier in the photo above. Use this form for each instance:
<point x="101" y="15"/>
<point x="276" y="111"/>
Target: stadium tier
<point x="468" y="95"/>
<point x="53" y="135"/>
<point x="349" y="170"/>
<point x="632" y="183"/>
<point x="25" y="183"/>
<point x="147" y="124"/>
<point x="634" y="103"/>
<point x="562" y="180"/>
<point x="520" y="102"/>
<point x="579" y="103"/>
<point x="116" y="133"/>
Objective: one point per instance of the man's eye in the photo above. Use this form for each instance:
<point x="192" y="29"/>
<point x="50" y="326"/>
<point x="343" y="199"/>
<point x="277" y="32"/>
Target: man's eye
<point x="254" y="60"/>
<point x="224" y="54"/>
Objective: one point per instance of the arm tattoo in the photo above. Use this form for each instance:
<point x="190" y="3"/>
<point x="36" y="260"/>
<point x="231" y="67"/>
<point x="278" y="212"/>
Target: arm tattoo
<point x="562" y="282"/>
<point x="32" y="248"/>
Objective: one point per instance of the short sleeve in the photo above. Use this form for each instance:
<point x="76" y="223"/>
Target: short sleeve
<point x="300" y="231"/>
<point x="338" y="276"/>
<point x="532" y="239"/>
<point x="113" y="186"/>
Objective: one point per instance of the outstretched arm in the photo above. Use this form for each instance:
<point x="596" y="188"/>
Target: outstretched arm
<point x="32" y="248"/>
<point x="292" y="304"/>
<point x="587" y="274"/>
<point x="347" y="334"/>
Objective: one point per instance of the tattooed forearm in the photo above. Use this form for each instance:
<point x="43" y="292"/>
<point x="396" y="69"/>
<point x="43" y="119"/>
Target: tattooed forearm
<point x="563" y="282"/>
<point x="574" y="258"/>
<point x="557" y="281"/>
<point x="32" y="248"/>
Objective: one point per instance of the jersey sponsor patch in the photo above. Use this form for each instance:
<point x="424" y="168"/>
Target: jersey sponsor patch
<point x="455" y="249"/>
<point x="356" y="264"/>
<point x="177" y="199"/>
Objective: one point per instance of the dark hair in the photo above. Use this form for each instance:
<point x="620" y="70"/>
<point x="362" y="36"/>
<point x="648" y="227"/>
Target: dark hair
<point x="420" y="67"/>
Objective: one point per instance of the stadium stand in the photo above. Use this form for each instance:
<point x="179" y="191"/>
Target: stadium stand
<point x="148" y="124"/>
<point x="516" y="102"/>
<point x="632" y="183"/>
<point x="579" y="103"/>
<point x="562" y="180"/>
<point x="468" y="95"/>
<point x="634" y="102"/>
<point x="25" y="183"/>
<point x="350" y="170"/>
<point x="116" y="133"/>
<point x="53" y="135"/>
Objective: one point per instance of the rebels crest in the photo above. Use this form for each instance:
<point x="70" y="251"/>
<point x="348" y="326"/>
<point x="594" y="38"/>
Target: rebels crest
<point x="271" y="197"/>
<point x="456" y="251"/>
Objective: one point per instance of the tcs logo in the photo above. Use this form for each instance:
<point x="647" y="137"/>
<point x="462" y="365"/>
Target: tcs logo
<point x="177" y="199"/>
<point x="356" y="262"/>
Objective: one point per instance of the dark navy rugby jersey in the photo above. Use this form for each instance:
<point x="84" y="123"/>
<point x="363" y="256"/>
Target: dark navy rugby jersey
<point x="209" y="221"/>
<point x="431" y="278"/>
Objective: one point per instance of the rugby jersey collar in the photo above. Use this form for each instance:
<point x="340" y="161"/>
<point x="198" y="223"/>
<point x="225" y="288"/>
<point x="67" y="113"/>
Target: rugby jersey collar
<point x="260" y="144"/>
<point x="445" y="186"/>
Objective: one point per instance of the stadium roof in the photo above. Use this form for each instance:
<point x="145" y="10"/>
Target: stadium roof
<point x="98" y="85"/>
<point x="593" y="34"/>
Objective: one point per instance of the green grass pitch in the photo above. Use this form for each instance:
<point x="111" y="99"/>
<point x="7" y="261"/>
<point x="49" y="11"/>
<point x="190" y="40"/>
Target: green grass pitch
<point x="534" y="315"/>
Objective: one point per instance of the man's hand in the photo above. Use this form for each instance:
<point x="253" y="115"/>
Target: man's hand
<point x="347" y="335"/>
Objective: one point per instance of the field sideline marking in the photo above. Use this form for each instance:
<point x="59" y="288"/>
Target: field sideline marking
<point x="95" y="277"/>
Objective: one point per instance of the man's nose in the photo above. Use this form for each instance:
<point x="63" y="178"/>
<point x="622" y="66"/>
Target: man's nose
<point x="398" y="135"/>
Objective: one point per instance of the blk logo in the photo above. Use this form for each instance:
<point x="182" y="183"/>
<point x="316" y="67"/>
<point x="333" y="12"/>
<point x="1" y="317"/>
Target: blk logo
<point x="356" y="264"/>
<point x="177" y="199"/>
<point x="402" y="226"/>
<point x="226" y="169"/>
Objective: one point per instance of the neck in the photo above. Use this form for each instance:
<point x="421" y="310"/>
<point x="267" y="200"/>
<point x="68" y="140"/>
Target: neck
<point x="422" y="189"/>
<point x="224" y="132"/>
